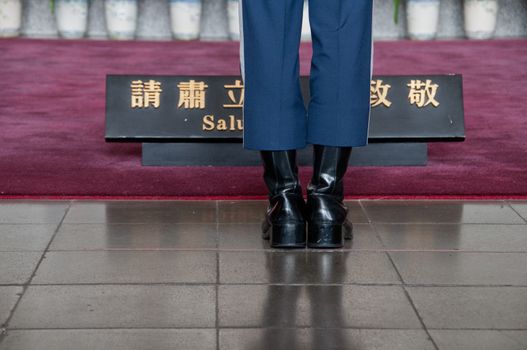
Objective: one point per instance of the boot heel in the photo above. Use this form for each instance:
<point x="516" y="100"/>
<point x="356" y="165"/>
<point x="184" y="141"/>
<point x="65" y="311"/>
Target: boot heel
<point x="325" y="236"/>
<point x="288" y="236"/>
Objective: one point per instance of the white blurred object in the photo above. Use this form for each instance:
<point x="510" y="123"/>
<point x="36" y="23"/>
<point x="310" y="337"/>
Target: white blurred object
<point x="72" y="18"/>
<point x="10" y="17"/>
<point x="121" y="18"/>
<point x="480" y="18"/>
<point x="422" y="17"/>
<point x="186" y="18"/>
<point x="306" y="29"/>
<point x="233" y="18"/>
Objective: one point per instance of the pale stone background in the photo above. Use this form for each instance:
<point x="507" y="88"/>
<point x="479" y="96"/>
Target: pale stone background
<point x="154" y="20"/>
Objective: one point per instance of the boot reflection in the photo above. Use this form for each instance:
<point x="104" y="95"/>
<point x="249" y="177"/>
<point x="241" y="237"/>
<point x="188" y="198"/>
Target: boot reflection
<point x="327" y="307"/>
<point x="301" y="297"/>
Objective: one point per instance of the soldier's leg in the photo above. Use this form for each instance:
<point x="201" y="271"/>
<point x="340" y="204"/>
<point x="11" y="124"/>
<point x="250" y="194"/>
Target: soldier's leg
<point x="338" y="112"/>
<point x="339" y="109"/>
<point x="274" y="113"/>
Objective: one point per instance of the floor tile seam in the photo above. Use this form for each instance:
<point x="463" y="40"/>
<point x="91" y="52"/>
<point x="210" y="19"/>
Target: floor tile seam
<point x="428" y="285"/>
<point x="25" y="286"/>
<point x="299" y="327"/>
<point x="216" y="289"/>
<point x="140" y="223"/>
<point x="23" y="251"/>
<point x="210" y="284"/>
<point x="395" y="223"/>
<point x="358" y="284"/>
<point x="388" y="256"/>
<point x="409" y="299"/>
<point x="420" y="318"/>
<point x="517" y="213"/>
<point x="463" y="251"/>
<point x="24" y="223"/>
<point x="378" y="236"/>
<point x="350" y="326"/>
<point x="254" y="223"/>
<point x="211" y="250"/>
<point x="375" y="328"/>
<point x="429" y="329"/>
<point x="250" y="222"/>
<point x="257" y="222"/>
<point x="54" y="224"/>
<point x="476" y="329"/>
<point x="376" y="223"/>
<point x="107" y="328"/>
<point x="275" y="251"/>
<point x="456" y="251"/>
<point x="128" y="223"/>
<point x="446" y="223"/>
<point x="364" y="211"/>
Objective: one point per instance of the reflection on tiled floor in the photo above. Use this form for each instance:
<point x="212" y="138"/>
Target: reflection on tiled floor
<point x="196" y="275"/>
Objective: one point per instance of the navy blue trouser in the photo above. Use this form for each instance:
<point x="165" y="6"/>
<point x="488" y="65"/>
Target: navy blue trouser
<point x="338" y="113"/>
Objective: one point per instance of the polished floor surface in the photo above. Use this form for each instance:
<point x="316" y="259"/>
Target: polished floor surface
<point x="196" y="275"/>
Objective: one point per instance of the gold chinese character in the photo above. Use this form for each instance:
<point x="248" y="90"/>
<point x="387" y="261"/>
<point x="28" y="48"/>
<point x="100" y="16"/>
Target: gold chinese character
<point x="137" y="93"/>
<point x="379" y="93"/>
<point x="230" y="93"/>
<point x="145" y="94"/>
<point x="192" y="94"/>
<point x="422" y="93"/>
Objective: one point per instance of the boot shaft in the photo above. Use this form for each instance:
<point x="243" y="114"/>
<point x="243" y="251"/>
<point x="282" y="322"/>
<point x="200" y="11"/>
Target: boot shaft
<point x="280" y="172"/>
<point x="329" y="167"/>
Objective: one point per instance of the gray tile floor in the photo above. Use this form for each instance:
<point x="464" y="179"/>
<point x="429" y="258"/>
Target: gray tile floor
<point x="196" y="275"/>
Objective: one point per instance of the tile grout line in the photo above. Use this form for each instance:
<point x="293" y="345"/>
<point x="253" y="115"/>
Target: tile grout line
<point x="144" y="223"/>
<point x="443" y="223"/>
<point x="500" y="330"/>
<point x="3" y="330"/>
<point x="274" y="251"/>
<point x="299" y="284"/>
<point x="216" y="287"/>
<point x="355" y="222"/>
<point x="263" y="327"/>
<point x="363" y="209"/>
<point x="335" y="284"/>
<point x="379" y="238"/>
<point x="419" y="317"/>
<point x="403" y="286"/>
<point x="514" y="210"/>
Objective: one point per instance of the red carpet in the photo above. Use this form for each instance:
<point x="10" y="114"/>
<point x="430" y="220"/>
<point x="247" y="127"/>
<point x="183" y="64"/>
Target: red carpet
<point x="52" y="121"/>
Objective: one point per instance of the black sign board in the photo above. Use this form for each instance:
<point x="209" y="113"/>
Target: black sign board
<point x="151" y="108"/>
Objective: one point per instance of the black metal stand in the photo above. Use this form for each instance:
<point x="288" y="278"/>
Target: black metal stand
<point x="232" y="154"/>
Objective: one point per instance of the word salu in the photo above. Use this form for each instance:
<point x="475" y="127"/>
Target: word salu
<point x="230" y="123"/>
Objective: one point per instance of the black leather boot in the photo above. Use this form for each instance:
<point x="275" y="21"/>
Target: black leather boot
<point x="284" y="224"/>
<point x="327" y="221"/>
